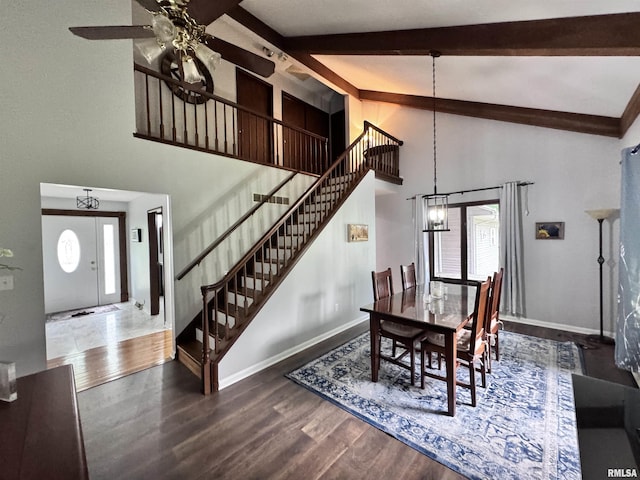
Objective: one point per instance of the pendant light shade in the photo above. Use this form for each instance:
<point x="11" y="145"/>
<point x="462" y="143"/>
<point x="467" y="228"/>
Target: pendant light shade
<point x="437" y="213"/>
<point x="437" y="218"/>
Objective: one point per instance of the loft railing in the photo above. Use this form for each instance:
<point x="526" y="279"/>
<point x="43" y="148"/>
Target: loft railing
<point x="227" y="310"/>
<point x="178" y="113"/>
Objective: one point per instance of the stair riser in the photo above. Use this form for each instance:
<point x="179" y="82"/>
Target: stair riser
<point x="279" y="253"/>
<point x="238" y="299"/>
<point x="318" y="207"/>
<point x="294" y="241"/>
<point x="256" y="284"/>
<point x="266" y="268"/>
<point x="299" y="229"/>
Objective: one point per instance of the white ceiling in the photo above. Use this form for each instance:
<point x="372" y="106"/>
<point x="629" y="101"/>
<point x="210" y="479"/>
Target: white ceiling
<point x="590" y="85"/>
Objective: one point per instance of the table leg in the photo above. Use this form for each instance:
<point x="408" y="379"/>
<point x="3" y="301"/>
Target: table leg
<point x="374" y="331"/>
<point x="450" y="360"/>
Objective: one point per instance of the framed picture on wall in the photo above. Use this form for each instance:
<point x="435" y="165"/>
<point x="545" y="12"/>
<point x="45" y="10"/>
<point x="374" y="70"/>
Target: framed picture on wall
<point x="550" y="230"/>
<point x="357" y="233"/>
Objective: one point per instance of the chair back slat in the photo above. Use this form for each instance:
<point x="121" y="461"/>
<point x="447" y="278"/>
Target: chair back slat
<point x="408" y="275"/>
<point x="480" y="312"/>
<point x="382" y="284"/>
<point x="496" y="290"/>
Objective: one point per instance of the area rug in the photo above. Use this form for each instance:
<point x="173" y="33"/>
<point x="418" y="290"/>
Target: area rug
<point x="524" y="425"/>
<point x="81" y="312"/>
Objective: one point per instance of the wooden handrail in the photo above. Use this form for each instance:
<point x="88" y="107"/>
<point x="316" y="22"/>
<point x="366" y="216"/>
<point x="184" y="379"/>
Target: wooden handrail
<point x="233" y="228"/>
<point x="190" y="87"/>
<point x="278" y="224"/>
<point x="368" y="124"/>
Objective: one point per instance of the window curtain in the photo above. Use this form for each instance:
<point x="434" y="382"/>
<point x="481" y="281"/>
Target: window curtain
<point x="627" y="349"/>
<point x="511" y="249"/>
<point x="421" y="244"/>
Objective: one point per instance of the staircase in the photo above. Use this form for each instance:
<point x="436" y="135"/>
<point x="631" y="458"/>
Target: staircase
<point x="229" y="305"/>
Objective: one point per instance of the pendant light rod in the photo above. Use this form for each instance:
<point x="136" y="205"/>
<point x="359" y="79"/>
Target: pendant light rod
<point x="437" y="205"/>
<point x="434" y="54"/>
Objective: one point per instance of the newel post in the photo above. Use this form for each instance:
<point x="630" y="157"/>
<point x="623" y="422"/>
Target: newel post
<point x="206" y="357"/>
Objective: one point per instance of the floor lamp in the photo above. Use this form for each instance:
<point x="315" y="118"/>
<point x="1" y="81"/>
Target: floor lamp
<point x="600" y="216"/>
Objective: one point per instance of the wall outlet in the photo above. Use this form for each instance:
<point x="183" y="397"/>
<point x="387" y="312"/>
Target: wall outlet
<point x="6" y="282"/>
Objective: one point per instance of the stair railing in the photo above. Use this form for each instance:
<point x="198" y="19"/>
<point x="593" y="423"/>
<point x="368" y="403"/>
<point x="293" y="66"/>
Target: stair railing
<point x="182" y="114"/>
<point x="224" y="320"/>
<point x="253" y="210"/>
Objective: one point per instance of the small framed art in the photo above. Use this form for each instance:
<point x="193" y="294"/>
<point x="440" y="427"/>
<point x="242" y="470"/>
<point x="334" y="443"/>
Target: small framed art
<point x="549" y="230"/>
<point x="357" y="232"/>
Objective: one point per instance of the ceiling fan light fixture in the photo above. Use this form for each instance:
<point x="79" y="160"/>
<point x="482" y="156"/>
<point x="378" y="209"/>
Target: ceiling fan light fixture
<point x="163" y="28"/>
<point x="207" y="56"/>
<point x="190" y="72"/>
<point x="150" y="49"/>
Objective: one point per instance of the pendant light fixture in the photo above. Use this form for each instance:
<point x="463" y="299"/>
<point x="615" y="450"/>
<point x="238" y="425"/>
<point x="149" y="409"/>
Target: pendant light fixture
<point x="437" y="205"/>
<point x="87" y="202"/>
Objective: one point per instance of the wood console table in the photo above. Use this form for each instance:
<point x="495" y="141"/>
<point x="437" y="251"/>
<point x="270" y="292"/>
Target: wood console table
<point x="40" y="432"/>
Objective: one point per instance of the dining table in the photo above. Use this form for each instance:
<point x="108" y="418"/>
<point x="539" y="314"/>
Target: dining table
<point x="414" y="307"/>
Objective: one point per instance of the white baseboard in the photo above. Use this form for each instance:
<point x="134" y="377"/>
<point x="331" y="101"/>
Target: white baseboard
<point x="247" y="372"/>
<point x="556" y="326"/>
<point x="225" y="382"/>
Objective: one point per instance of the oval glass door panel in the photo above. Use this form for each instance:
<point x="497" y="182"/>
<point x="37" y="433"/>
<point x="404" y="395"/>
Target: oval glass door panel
<point x="68" y="251"/>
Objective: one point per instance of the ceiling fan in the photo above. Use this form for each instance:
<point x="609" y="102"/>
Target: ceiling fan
<point x="179" y="30"/>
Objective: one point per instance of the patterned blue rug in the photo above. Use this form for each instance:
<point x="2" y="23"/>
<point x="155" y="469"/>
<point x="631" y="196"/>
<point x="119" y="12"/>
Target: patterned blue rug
<point x="524" y="426"/>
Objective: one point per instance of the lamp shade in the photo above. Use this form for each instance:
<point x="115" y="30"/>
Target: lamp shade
<point x="208" y="57"/>
<point x="602" y="213"/>
<point x="150" y="49"/>
<point x="190" y="70"/>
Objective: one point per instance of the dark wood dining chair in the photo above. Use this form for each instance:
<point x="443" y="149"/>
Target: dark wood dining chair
<point x="493" y="322"/>
<point x="471" y="344"/>
<point x="401" y="335"/>
<point x="408" y="276"/>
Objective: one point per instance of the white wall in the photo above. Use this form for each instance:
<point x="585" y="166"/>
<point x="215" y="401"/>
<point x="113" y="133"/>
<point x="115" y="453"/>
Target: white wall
<point x="572" y="173"/>
<point x="320" y="297"/>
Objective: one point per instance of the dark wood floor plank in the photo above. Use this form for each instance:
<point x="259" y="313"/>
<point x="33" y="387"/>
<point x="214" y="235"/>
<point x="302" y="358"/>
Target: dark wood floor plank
<point x="156" y="424"/>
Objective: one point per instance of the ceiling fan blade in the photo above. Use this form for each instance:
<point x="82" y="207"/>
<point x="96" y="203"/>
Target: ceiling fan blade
<point x="150" y="5"/>
<point x="206" y="11"/>
<point x="113" y="32"/>
<point x="240" y="56"/>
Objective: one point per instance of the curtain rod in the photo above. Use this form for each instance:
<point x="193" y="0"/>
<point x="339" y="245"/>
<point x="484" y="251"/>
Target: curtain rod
<point x="462" y="192"/>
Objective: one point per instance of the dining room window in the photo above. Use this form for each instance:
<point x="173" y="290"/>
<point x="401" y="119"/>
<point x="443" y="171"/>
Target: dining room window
<point x="470" y="249"/>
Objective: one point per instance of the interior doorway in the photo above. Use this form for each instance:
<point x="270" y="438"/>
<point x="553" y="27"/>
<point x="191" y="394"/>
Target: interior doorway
<point x="100" y="321"/>
<point x="156" y="262"/>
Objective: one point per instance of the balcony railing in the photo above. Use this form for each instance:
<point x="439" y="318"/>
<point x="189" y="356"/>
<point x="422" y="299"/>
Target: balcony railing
<point x="174" y="112"/>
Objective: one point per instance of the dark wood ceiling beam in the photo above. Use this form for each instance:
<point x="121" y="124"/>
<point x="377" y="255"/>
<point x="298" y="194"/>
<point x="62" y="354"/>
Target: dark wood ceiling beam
<point x="257" y="26"/>
<point x="207" y="11"/>
<point x="631" y="113"/>
<point x="599" y="35"/>
<point x="574" y="122"/>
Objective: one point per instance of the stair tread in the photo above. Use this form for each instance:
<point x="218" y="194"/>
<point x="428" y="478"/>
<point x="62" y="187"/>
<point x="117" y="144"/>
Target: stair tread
<point x="193" y="348"/>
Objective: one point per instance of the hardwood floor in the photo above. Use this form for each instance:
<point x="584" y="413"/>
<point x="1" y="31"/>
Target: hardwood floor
<point x="156" y="424"/>
<point x="103" y="364"/>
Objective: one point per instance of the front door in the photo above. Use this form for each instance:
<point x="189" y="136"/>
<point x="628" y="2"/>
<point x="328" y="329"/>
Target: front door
<point x="81" y="261"/>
